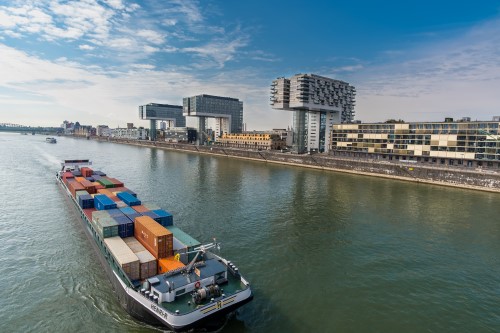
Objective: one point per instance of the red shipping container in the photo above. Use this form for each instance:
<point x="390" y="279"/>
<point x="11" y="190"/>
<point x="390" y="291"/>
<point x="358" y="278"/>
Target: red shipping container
<point x="75" y="186"/>
<point x="67" y="175"/>
<point x="88" y="212"/>
<point x="86" y="172"/>
<point x="115" y="182"/>
<point x="88" y="186"/>
<point x="155" y="238"/>
<point x="140" y="209"/>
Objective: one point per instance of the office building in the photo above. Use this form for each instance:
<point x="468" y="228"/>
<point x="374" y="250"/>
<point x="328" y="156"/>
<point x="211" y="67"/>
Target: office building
<point x="171" y="114"/>
<point x="226" y="111"/>
<point x="474" y="143"/>
<point x="317" y="102"/>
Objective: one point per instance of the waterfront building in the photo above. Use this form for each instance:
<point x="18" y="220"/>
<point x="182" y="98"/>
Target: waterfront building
<point x="154" y="112"/>
<point x="129" y="133"/>
<point x="470" y="143"/>
<point x="317" y="102"/>
<point x="252" y="140"/>
<point x="179" y="135"/>
<point x="103" y="130"/>
<point x="226" y="111"/>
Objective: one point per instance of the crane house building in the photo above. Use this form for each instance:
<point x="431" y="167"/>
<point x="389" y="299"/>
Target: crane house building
<point x="467" y="143"/>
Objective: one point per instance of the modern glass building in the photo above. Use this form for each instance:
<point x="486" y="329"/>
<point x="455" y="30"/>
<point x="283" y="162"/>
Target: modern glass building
<point x="449" y="143"/>
<point x="172" y="114"/>
<point x="227" y="111"/>
<point x="317" y="102"/>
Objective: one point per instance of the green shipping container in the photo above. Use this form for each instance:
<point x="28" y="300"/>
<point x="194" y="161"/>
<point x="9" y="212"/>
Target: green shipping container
<point x="106" y="183"/>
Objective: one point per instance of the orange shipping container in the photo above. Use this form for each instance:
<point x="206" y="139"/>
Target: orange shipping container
<point x="168" y="264"/>
<point x="80" y="179"/>
<point x="98" y="186"/>
<point x="155" y="238"/>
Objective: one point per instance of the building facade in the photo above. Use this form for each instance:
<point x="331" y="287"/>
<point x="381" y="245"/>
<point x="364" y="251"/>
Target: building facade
<point x="448" y="143"/>
<point x="129" y="133"/>
<point x="154" y="112"/>
<point x="227" y="112"/>
<point x="179" y="135"/>
<point x="317" y="102"/>
<point x="252" y="140"/>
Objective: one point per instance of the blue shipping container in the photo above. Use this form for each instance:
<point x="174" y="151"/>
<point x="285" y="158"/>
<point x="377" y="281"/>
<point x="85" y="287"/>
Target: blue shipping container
<point x="102" y="202"/>
<point x="99" y="173"/>
<point x="128" y="210"/>
<point x="90" y="179"/>
<point x="86" y="201"/>
<point x="128" y="198"/>
<point x="165" y="218"/>
<point x="125" y="226"/>
<point x="96" y="177"/>
<point x="132" y="216"/>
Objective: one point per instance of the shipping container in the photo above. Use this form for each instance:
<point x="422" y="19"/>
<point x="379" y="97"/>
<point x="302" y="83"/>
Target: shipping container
<point x="115" y="212"/>
<point x="96" y="177"/>
<point x="148" y="262"/>
<point x="86" y="201"/>
<point x="90" y="179"/>
<point x="183" y="243"/>
<point x="128" y="210"/>
<point x="102" y="202"/>
<point x="74" y="186"/>
<point x="79" y="179"/>
<point x="164" y="218"/>
<point x="105" y="226"/>
<point x="155" y="238"/>
<point x="76" y="173"/>
<point x="115" y="182"/>
<point x="99" y="173"/>
<point x="125" y="226"/>
<point x="88" y="213"/>
<point x="132" y="216"/>
<point x="128" y="198"/>
<point x="89" y="187"/>
<point x="86" y="172"/>
<point x="140" y="209"/>
<point x="97" y="186"/>
<point x="67" y="175"/>
<point x="105" y="182"/>
<point x="152" y="215"/>
<point x="168" y="264"/>
<point x="124" y="256"/>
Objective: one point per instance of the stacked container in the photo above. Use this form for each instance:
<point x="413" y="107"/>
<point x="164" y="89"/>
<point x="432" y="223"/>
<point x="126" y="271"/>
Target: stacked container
<point x="84" y="199"/>
<point x="155" y="238"/>
<point x="86" y="172"/>
<point x="106" y="226"/>
<point x="164" y="218"/>
<point x="183" y="243"/>
<point x="166" y="265"/>
<point x="102" y="202"/>
<point x="105" y="182"/>
<point x="148" y="264"/>
<point x="74" y="186"/>
<point x="128" y="198"/>
<point x="124" y="257"/>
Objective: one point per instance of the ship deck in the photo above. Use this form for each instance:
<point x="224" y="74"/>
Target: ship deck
<point x="184" y="303"/>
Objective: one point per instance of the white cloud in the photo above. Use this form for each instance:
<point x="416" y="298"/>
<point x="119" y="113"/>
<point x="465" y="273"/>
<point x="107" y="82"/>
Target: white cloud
<point x="151" y="36"/>
<point x="86" y="47"/>
<point x="452" y="78"/>
<point x="68" y="90"/>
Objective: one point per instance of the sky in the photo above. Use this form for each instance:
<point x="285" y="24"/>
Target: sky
<point x="96" y="61"/>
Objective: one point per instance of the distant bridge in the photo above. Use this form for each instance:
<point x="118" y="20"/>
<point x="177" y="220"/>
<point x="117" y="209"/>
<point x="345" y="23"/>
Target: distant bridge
<point x="8" y="127"/>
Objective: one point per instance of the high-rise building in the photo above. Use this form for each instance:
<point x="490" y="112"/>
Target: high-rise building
<point x="172" y="114"/>
<point x="227" y="112"/>
<point x="317" y="102"/>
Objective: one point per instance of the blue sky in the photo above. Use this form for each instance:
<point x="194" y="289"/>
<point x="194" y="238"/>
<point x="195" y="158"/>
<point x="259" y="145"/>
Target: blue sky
<point x="96" y="61"/>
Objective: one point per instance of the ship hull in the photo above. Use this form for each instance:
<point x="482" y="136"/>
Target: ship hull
<point x="145" y="310"/>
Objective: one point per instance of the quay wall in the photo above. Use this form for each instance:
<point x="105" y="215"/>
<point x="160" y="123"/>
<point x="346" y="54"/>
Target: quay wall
<point x="463" y="177"/>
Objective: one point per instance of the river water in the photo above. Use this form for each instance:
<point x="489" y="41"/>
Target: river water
<point x="324" y="251"/>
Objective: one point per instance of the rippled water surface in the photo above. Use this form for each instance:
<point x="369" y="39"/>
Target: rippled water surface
<point x="324" y="251"/>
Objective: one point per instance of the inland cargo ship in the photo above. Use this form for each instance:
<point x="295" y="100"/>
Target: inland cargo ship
<point x="160" y="274"/>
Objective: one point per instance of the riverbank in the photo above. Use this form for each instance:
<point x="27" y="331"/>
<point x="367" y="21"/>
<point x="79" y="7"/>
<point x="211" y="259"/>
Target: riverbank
<point x="461" y="177"/>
